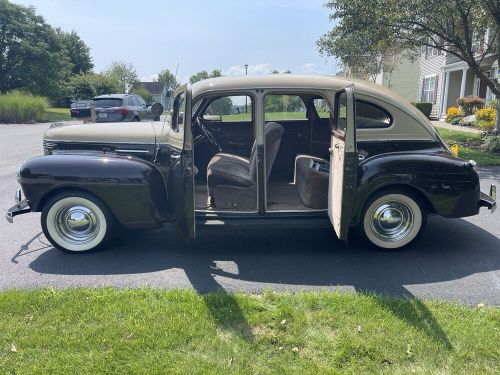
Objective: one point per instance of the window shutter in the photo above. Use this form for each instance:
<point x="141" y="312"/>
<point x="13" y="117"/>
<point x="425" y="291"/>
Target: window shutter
<point x="435" y="89"/>
<point x="422" y="90"/>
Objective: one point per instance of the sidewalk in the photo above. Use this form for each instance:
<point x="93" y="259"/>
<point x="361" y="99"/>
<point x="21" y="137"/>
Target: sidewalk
<point x="445" y="125"/>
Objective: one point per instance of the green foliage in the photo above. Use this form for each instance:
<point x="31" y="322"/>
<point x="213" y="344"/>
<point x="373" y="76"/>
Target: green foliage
<point x="492" y="143"/>
<point x="381" y="26"/>
<point x="34" y="57"/>
<point x="204" y="75"/>
<point x="143" y="92"/>
<point x="77" y="51"/>
<point x="18" y="107"/>
<point x="284" y="103"/>
<point x="492" y="104"/>
<point x="221" y="106"/>
<point x="424" y="107"/>
<point x="123" y="73"/>
<point x="168" y="79"/>
<point x="86" y="86"/>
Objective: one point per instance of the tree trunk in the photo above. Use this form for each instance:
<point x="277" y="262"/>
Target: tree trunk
<point x="496" y="129"/>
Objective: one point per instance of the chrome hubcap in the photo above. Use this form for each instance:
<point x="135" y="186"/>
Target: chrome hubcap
<point x="77" y="224"/>
<point x="392" y="221"/>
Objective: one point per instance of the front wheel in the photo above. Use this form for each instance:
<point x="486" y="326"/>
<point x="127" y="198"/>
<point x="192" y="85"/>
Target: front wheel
<point x="393" y="219"/>
<point x="76" y="222"/>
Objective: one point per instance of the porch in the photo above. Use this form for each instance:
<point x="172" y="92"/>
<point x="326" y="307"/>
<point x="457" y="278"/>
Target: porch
<point x="460" y="81"/>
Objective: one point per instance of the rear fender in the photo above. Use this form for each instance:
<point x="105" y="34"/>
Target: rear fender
<point x="449" y="185"/>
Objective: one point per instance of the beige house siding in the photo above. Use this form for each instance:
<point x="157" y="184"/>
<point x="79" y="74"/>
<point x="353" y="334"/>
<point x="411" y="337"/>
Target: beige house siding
<point x="404" y="79"/>
<point x="431" y="66"/>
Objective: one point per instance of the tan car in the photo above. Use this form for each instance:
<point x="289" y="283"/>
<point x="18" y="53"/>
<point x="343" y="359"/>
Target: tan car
<point x="268" y="150"/>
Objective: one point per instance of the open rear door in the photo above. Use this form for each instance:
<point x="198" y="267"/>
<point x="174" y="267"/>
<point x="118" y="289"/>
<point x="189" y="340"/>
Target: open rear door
<point x="179" y="166"/>
<point x="343" y="163"/>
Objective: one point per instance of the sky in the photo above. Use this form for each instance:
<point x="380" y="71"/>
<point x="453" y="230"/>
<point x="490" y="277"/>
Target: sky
<point x="199" y="35"/>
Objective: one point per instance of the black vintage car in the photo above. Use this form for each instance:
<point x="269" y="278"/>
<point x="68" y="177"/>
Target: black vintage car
<point x="298" y="150"/>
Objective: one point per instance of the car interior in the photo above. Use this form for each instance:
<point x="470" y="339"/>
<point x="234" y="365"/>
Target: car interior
<point x="297" y="139"/>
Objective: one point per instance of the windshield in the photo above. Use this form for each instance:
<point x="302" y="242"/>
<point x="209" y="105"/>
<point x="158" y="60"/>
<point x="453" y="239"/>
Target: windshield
<point x="108" y="102"/>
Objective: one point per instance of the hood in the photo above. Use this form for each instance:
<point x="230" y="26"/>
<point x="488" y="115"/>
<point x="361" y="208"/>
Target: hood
<point x="119" y="132"/>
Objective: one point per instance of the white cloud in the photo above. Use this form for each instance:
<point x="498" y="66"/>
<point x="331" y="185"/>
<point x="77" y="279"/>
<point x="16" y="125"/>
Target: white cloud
<point x="311" y="68"/>
<point x="150" y="78"/>
<point x="239" y="70"/>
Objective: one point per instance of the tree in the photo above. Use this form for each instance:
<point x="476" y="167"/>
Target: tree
<point x="32" y="55"/>
<point x="143" y="92"/>
<point x="77" y="51"/>
<point x="124" y="73"/>
<point x="204" y="75"/>
<point x="457" y="27"/>
<point x="168" y="79"/>
<point x="86" y="86"/>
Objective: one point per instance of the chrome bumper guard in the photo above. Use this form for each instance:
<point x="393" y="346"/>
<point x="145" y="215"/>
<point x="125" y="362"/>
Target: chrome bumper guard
<point x="489" y="201"/>
<point x="21" y="207"/>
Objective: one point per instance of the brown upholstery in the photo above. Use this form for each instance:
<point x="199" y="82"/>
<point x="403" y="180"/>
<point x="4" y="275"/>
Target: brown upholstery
<point x="312" y="185"/>
<point x="238" y="172"/>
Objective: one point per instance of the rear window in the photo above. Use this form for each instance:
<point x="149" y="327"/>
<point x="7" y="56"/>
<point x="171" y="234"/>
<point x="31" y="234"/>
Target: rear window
<point x="108" y="102"/>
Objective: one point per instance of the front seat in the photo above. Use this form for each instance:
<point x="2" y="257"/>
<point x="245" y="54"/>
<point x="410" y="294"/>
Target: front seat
<point x="231" y="179"/>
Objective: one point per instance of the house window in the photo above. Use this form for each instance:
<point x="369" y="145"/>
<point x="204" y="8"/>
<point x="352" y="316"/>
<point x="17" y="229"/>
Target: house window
<point x="489" y="95"/>
<point x="429" y="90"/>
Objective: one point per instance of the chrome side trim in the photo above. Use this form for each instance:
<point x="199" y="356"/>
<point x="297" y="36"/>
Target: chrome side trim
<point x="133" y="151"/>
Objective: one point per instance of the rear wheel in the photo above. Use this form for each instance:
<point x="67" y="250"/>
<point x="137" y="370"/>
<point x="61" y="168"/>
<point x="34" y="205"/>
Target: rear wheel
<point x="393" y="219"/>
<point x="76" y="222"/>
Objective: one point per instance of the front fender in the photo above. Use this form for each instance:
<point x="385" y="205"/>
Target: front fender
<point x="132" y="188"/>
<point x="449" y="185"/>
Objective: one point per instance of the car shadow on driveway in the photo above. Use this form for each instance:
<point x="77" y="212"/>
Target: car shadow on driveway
<point x="449" y="250"/>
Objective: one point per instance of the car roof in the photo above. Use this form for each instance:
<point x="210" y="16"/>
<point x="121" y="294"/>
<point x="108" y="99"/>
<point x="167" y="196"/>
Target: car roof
<point x="296" y="82"/>
<point x="112" y="96"/>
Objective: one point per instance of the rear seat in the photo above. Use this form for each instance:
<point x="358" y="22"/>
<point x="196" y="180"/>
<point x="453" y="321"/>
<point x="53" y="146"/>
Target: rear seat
<point x="311" y="179"/>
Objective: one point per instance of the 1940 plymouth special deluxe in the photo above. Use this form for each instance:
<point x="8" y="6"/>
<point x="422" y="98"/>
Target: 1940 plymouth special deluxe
<point x="269" y="149"/>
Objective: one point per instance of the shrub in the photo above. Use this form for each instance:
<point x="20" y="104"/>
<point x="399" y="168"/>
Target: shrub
<point x="492" y="103"/>
<point x="453" y="113"/>
<point x="455" y="121"/>
<point x="18" y="107"/>
<point x="492" y="143"/>
<point x="470" y="104"/>
<point x="424" y="107"/>
<point x="485" y="118"/>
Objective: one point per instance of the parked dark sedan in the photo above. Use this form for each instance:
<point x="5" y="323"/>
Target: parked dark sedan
<point x="121" y="107"/>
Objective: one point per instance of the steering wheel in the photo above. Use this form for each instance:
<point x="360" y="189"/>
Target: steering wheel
<point x="206" y="133"/>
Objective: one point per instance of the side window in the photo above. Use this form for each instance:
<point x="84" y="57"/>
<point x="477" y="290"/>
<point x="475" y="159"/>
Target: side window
<point x="229" y="109"/>
<point x="371" y="116"/>
<point x="322" y="108"/>
<point x="141" y="101"/>
<point x="284" y="107"/>
<point x="178" y="112"/>
<point x="135" y="101"/>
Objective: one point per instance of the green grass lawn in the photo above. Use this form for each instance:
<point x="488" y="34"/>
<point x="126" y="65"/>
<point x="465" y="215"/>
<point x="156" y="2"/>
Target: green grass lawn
<point x="89" y="331"/>
<point x="469" y="146"/>
<point x="56" y="114"/>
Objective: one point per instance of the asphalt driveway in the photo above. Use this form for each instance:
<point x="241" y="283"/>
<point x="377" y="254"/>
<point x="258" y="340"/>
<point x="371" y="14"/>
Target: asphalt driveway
<point x="456" y="259"/>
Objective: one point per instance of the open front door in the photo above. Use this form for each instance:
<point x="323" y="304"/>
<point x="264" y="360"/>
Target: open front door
<point x="343" y="163"/>
<point x="179" y="165"/>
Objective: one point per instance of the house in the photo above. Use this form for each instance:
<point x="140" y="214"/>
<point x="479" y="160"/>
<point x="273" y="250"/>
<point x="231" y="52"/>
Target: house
<point x="159" y="92"/>
<point x="444" y="78"/>
<point x="403" y="79"/>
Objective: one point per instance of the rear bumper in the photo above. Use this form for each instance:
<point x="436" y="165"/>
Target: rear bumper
<point x="489" y="201"/>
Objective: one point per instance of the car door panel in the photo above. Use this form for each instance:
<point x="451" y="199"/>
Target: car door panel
<point x="343" y="163"/>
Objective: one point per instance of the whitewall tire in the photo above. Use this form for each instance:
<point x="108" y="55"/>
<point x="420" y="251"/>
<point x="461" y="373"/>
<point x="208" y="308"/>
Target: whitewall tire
<point x="393" y="219"/>
<point x="76" y="222"/>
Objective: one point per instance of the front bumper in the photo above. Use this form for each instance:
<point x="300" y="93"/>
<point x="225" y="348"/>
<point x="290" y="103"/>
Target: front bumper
<point x="21" y="207"/>
<point x="489" y="201"/>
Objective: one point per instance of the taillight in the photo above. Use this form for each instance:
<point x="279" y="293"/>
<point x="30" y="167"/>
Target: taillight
<point x="121" y="111"/>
